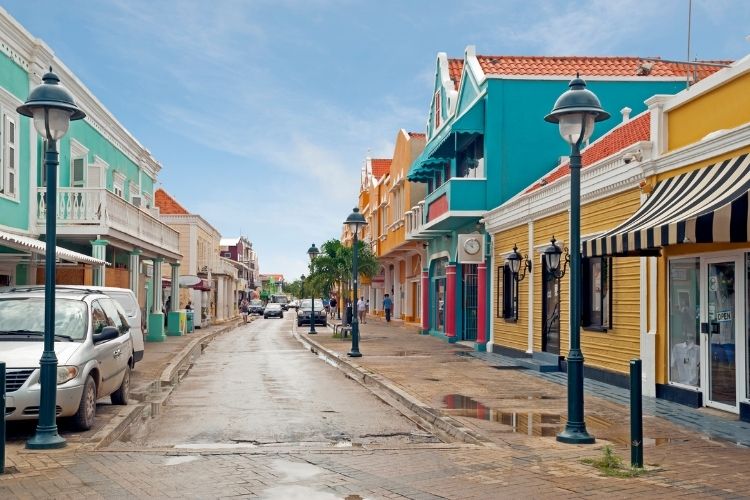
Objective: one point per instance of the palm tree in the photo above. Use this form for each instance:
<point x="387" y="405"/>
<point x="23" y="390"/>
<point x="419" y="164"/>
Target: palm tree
<point x="334" y="266"/>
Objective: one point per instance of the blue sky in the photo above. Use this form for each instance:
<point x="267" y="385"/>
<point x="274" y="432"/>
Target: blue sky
<point x="262" y="112"/>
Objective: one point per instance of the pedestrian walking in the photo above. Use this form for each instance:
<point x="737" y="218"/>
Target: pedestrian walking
<point x="387" y="306"/>
<point x="244" y="309"/>
<point x="333" y="303"/>
<point x="361" y="309"/>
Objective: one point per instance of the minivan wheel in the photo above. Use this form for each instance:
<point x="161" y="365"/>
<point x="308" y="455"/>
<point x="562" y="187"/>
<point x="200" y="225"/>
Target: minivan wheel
<point x="84" y="417"/>
<point x="122" y="394"/>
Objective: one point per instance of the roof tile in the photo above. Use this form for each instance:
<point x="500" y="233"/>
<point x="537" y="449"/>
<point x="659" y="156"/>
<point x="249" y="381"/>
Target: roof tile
<point x="636" y="130"/>
<point x="591" y="66"/>
<point x="455" y="69"/>
<point x="380" y="166"/>
<point x="168" y="205"/>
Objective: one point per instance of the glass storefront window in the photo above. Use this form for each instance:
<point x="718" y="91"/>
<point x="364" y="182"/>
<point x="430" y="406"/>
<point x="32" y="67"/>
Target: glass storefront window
<point x="684" y="321"/>
<point x="438" y="276"/>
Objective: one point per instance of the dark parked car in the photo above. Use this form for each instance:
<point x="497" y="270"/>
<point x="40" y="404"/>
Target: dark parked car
<point x="256" y="307"/>
<point x="273" y="310"/>
<point x="305" y="312"/>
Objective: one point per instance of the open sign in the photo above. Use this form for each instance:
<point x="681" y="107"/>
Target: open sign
<point x="724" y="316"/>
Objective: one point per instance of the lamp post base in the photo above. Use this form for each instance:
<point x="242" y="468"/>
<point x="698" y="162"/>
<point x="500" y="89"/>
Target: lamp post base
<point x="575" y="436"/>
<point x="354" y="354"/>
<point x="46" y="439"/>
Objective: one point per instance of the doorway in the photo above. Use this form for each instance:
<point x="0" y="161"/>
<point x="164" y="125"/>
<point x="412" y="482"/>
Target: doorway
<point x="550" y="311"/>
<point x="470" y="297"/>
<point x="722" y="324"/>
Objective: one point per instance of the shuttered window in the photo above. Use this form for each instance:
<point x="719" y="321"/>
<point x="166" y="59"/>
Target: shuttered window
<point x="9" y="161"/>
<point x="78" y="172"/>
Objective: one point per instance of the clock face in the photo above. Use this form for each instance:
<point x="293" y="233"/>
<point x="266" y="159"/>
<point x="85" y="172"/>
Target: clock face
<point x="472" y="246"/>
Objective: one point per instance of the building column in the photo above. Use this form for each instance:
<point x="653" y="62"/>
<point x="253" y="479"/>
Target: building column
<point x="481" y="344"/>
<point x="450" y="302"/>
<point x="134" y="270"/>
<point x="156" y="317"/>
<point x="173" y="317"/>
<point x="425" y="305"/>
<point x="220" y="298"/>
<point x="99" y="251"/>
<point x="398" y="300"/>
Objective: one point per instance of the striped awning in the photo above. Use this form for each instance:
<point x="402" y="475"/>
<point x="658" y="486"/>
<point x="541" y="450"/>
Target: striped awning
<point x="707" y="205"/>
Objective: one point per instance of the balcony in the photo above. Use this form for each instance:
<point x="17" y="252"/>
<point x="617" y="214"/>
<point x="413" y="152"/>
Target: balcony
<point x="88" y="212"/>
<point x="458" y="201"/>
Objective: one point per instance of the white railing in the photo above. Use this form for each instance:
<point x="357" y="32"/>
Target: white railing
<point x="414" y="220"/>
<point x="97" y="206"/>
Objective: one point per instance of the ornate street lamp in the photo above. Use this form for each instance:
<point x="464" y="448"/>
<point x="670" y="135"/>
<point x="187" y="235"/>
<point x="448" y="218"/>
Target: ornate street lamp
<point x="52" y="108"/>
<point x="552" y="255"/>
<point x="576" y="111"/>
<point x="313" y="253"/>
<point x="355" y="221"/>
<point x="514" y="260"/>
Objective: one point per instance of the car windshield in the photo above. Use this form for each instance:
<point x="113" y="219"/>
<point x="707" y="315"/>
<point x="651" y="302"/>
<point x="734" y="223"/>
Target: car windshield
<point x="306" y="304"/>
<point x="26" y="315"/>
<point x="273" y="306"/>
<point x="279" y="299"/>
<point x="256" y="303"/>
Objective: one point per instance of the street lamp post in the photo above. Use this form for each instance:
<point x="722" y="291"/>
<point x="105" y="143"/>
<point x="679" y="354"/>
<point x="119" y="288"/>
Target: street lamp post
<point x="52" y="108"/>
<point x="576" y="112"/>
<point x="355" y="221"/>
<point x="312" y="252"/>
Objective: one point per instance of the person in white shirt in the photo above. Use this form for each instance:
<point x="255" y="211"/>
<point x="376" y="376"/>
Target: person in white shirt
<point x="361" y="309"/>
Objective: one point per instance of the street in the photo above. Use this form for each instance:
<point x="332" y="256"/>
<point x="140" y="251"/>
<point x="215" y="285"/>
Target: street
<point x="257" y="385"/>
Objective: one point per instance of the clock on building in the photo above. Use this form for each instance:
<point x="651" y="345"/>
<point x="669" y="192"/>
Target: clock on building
<point x="472" y="246"/>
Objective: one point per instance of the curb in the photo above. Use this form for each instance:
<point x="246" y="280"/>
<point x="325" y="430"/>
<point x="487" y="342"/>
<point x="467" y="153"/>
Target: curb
<point x="428" y="417"/>
<point x="154" y="397"/>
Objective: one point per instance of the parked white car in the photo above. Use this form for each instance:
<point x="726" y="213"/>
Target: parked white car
<point x="126" y="298"/>
<point x="93" y="346"/>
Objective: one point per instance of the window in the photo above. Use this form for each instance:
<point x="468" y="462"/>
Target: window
<point x="684" y="318"/>
<point x="77" y="172"/>
<point x="597" y="299"/>
<point x="118" y="184"/>
<point x="470" y="160"/>
<point x="507" y="296"/>
<point x="9" y="160"/>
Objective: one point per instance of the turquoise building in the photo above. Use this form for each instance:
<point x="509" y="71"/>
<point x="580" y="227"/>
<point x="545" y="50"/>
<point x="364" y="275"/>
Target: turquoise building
<point x="486" y="141"/>
<point x="106" y="178"/>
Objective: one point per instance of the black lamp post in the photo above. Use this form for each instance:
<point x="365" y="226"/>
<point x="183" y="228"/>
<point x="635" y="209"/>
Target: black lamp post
<point x="355" y="221"/>
<point x="576" y="112"/>
<point x="312" y="252"/>
<point x="52" y="107"/>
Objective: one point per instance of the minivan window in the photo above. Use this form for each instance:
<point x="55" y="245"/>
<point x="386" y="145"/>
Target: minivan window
<point x="114" y="315"/>
<point x="126" y="301"/>
<point x="27" y="314"/>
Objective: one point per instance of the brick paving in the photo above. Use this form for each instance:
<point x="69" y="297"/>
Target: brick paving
<point x="522" y="459"/>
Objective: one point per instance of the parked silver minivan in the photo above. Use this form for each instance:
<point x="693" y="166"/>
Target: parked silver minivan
<point x="93" y="346"/>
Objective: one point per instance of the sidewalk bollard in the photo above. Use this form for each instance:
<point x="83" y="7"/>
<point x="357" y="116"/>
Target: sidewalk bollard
<point x="636" y="415"/>
<point x="2" y="420"/>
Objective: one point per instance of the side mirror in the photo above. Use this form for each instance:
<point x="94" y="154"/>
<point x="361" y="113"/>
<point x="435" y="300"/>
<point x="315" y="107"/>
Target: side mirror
<point x="107" y="333"/>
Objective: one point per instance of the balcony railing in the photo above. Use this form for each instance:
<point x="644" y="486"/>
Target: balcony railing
<point x="414" y="220"/>
<point x="99" y="207"/>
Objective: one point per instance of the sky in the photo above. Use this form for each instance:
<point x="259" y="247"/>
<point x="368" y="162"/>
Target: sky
<point x="262" y="112"/>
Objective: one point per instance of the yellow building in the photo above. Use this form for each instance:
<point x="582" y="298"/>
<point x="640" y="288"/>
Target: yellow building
<point x="401" y="259"/>
<point x="665" y="231"/>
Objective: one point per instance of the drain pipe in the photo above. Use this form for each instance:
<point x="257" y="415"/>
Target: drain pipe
<point x="636" y="415"/>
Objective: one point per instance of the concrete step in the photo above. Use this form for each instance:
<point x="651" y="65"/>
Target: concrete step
<point x="541" y="362"/>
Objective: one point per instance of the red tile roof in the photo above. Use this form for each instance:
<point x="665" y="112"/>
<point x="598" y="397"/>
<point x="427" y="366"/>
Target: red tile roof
<point x="590" y="66"/>
<point x="455" y="68"/>
<point x="168" y="205"/>
<point x="417" y="134"/>
<point x="380" y="166"/>
<point x="635" y="130"/>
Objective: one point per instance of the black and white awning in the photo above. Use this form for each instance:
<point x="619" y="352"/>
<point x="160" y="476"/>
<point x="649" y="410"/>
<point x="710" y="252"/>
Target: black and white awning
<point x="707" y="205"/>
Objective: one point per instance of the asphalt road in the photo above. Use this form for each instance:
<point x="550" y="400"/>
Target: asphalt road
<point x="258" y="386"/>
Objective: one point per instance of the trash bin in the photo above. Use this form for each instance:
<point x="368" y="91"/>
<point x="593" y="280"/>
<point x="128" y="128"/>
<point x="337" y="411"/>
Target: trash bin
<point x="176" y="323"/>
<point x="190" y="324"/>
<point x="349" y="314"/>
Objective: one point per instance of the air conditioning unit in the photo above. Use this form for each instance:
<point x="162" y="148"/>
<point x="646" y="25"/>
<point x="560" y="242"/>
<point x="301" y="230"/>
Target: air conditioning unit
<point x="137" y="201"/>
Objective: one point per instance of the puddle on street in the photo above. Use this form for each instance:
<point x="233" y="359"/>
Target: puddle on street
<point x="531" y="423"/>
